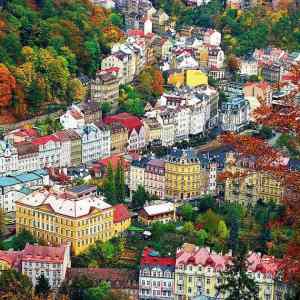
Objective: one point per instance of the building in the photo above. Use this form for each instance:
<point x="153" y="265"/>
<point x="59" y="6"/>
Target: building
<point x="119" y="137"/>
<point x="212" y="37"/>
<point x="195" y="78"/>
<point x="95" y="142"/>
<point x="49" y="151"/>
<point x="8" y="158"/>
<point x="166" y="119"/>
<point x="73" y="118"/>
<point x="61" y="217"/>
<point x="235" y="114"/>
<point x="152" y="131"/>
<point x="121" y="218"/>
<point x="197" y="272"/>
<point x="247" y="190"/>
<point x="74" y="140"/>
<point x="164" y="212"/>
<point x="272" y="73"/>
<point x="184" y="177"/>
<point x="156" y="280"/>
<point x="262" y="91"/>
<point x="154" y="182"/>
<point x="136" y="132"/>
<point x="91" y="111"/>
<point x="105" y="88"/>
<point x="216" y="57"/>
<point x="160" y="21"/>
<point x="15" y="187"/>
<point x="248" y="67"/>
<point x="36" y="260"/>
<point x="28" y="156"/>
<point x="137" y="174"/>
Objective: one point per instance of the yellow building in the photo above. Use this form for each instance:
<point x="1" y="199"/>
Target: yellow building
<point x="119" y="137"/>
<point x="176" y="78"/>
<point x="185" y="178"/>
<point x="252" y="185"/>
<point x="195" y="78"/>
<point x="152" y="130"/>
<point x="61" y="217"/>
<point x="122" y="219"/>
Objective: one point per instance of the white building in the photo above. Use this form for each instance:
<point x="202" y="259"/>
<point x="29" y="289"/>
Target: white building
<point x="235" y="114"/>
<point x="73" y="118"/>
<point x="137" y="174"/>
<point x="95" y="142"/>
<point x="216" y="57"/>
<point x="53" y="262"/>
<point x="182" y="123"/>
<point x="248" y="67"/>
<point x="13" y="188"/>
<point x="156" y="280"/>
<point x="65" y="149"/>
<point x="28" y="156"/>
<point x="212" y="37"/>
<point x="8" y="158"/>
<point x="166" y="119"/>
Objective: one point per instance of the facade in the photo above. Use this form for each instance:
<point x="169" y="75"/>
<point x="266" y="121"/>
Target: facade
<point x="152" y="131"/>
<point x="272" y="73"/>
<point x="119" y="137"/>
<point x="156" y="280"/>
<point x="197" y="272"/>
<point x="28" y="156"/>
<point x="122" y="219"/>
<point x="61" y="217"/>
<point x="8" y="158"/>
<point x="73" y="118"/>
<point x="182" y="123"/>
<point x="164" y="212"/>
<point x="105" y="88"/>
<point x="49" y="151"/>
<point x="137" y="174"/>
<point x="36" y="260"/>
<point x="235" y="114"/>
<point x="154" y="175"/>
<point x="216" y="57"/>
<point x="255" y="186"/>
<point x="167" y="121"/>
<point x="262" y="91"/>
<point x="95" y="142"/>
<point x="13" y="188"/>
<point x="184" y="177"/>
<point x="248" y="67"/>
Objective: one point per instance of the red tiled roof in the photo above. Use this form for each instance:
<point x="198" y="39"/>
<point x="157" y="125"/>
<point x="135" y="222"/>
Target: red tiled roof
<point x="110" y="70"/>
<point x="135" y="32"/>
<point x="127" y="120"/>
<point x="27" y="132"/>
<point x="45" y="139"/>
<point x="11" y="257"/>
<point x="147" y="259"/>
<point x="114" y="160"/>
<point x="43" y="253"/>
<point x="121" y="213"/>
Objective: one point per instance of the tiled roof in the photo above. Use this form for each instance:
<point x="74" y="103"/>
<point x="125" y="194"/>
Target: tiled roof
<point x="127" y="120"/>
<point x="43" y="253"/>
<point x="8" y="181"/>
<point x="114" y="160"/>
<point x="121" y="213"/>
<point x="25" y="148"/>
<point x="25" y="177"/>
<point x="11" y="257"/>
<point x="45" y="139"/>
<point x="151" y="257"/>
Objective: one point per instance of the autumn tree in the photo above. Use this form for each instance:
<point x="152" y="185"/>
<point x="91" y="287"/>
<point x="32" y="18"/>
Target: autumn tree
<point x="7" y="86"/>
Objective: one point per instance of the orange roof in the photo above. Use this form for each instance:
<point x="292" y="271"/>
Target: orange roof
<point x="121" y="213"/>
<point x="114" y="160"/>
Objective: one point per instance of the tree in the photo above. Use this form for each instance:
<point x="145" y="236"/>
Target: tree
<point x="265" y="132"/>
<point x="234" y="235"/>
<point x="75" y="91"/>
<point x="2" y="222"/>
<point x="42" y="287"/>
<point x="205" y="203"/>
<point x="187" y="212"/>
<point x="201" y="237"/>
<point x="21" y="239"/>
<point x="236" y="283"/>
<point x="140" y="197"/>
<point x="109" y="185"/>
<point x="210" y="221"/>
<point x="223" y="232"/>
<point x="120" y="182"/>
<point x="15" y="286"/>
<point x="105" y="108"/>
<point x="98" y="293"/>
<point x="7" y="86"/>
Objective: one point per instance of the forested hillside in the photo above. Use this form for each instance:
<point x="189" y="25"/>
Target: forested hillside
<point x="44" y="46"/>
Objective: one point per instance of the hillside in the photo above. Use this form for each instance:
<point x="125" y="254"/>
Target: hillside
<point x="44" y="46"/>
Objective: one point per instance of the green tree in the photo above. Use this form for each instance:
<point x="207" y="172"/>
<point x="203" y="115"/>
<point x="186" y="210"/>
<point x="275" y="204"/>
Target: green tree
<point x="210" y="221"/>
<point x="236" y="283"/>
<point x="223" y="232"/>
<point x="2" y="222"/>
<point x="15" y="286"/>
<point x="187" y="212"/>
<point x="42" y="287"/>
<point x="234" y="235"/>
<point x="120" y="183"/>
<point x="21" y="239"/>
<point x="201" y="237"/>
<point x="109" y="185"/>
<point x="105" y="108"/>
<point x="140" y="197"/>
<point x="265" y="132"/>
<point x="98" y="293"/>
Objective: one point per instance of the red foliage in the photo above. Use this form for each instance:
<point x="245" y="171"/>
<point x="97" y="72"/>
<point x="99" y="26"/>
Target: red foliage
<point x="158" y="83"/>
<point x="7" y="86"/>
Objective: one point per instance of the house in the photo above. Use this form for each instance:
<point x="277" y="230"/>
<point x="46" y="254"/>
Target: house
<point x="212" y="37"/>
<point x="121" y="218"/>
<point x="152" y="131"/>
<point x="36" y="260"/>
<point x="160" y="21"/>
<point x="248" y="67"/>
<point x="137" y="174"/>
<point x="73" y="118"/>
<point x="91" y="111"/>
<point x="28" y="156"/>
<point x="166" y="119"/>
<point x="95" y="142"/>
<point x="13" y="188"/>
<point x="164" y="212"/>
<point x="105" y="88"/>
<point x="49" y="151"/>
<point x="157" y="273"/>
<point x="235" y="114"/>
<point x="154" y="178"/>
<point x="65" y="218"/>
<point x="119" y="137"/>
<point x="195" y="78"/>
<point x="182" y="123"/>
<point x="216" y="57"/>
<point x="21" y="135"/>
<point x="107" y="4"/>
<point x="272" y="73"/>
<point x="9" y="163"/>
<point x="136" y="132"/>
<point x="262" y="91"/>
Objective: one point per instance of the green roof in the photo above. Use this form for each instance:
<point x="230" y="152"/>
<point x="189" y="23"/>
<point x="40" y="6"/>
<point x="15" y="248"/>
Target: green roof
<point x="25" y="190"/>
<point x="40" y="172"/>
<point x="25" y="177"/>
